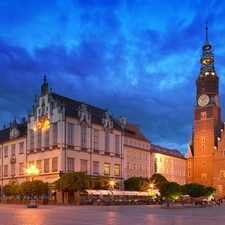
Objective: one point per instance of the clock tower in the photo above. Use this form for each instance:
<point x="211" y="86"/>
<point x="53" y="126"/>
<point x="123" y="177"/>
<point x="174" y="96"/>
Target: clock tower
<point x="204" y="144"/>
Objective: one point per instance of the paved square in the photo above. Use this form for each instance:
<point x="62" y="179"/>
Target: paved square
<point x="109" y="215"/>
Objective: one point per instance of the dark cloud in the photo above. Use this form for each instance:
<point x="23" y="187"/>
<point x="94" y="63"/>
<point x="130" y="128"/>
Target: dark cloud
<point x="136" y="58"/>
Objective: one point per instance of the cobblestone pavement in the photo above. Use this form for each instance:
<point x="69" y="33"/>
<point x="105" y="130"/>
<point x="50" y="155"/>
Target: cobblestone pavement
<point x="109" y="215"/>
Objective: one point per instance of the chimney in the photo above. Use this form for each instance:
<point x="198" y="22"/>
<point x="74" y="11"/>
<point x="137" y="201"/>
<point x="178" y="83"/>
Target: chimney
<point x="23" y="120"/>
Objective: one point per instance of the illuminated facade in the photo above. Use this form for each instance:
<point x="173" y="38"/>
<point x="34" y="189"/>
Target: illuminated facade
<point x="168" y="162"/>
<point x="206" y="150"/>
<point x="64" y="135"/>
<point x="136" y="151"/>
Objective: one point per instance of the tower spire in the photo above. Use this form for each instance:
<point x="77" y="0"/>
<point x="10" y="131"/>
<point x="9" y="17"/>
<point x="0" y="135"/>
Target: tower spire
<point x="206" y="46"/>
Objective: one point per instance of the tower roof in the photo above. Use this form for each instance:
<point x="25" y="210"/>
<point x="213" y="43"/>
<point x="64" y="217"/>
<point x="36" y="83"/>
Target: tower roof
<point x="206" y="46"/>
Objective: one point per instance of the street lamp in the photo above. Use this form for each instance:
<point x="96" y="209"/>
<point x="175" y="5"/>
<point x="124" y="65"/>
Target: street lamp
<point x="112" y="184"/>
<point x="32" y="171"/>
<point x="151" y="187"/>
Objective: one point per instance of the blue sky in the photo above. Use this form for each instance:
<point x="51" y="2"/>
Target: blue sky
<point x="138" y="58"/>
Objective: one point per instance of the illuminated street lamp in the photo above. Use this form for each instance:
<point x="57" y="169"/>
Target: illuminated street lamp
<point x="32" y="171"/>
<point x="151" y="187"/>
<point x="112" y="183"/>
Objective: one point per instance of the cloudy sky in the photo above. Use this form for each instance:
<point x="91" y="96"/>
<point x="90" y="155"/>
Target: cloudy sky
<point x="138" y="58"/>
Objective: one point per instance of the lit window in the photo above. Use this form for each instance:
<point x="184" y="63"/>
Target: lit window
<point x="117" y="170"/>
<point x="106" y="168"/>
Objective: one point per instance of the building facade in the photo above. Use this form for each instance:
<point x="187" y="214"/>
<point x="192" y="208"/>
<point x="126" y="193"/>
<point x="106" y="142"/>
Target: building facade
<point x="206" y="152"/>
<point x="64" y="135"/>
<point x="168" y="162"/>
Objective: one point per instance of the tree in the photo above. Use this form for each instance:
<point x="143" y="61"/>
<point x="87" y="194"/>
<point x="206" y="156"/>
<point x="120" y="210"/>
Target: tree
<point x="170" y="190"/>
<point x="73" y="182"/>
<point x="194" y="190"/>
<point x="209" y="192"/>
<point x="136" y="184"/>
<point x="101" y="182"/>
<point x="39" y="188"/>
<point x="25" y="188"/>
<point x="158" y="180"/>
<point x="7" y="190"/>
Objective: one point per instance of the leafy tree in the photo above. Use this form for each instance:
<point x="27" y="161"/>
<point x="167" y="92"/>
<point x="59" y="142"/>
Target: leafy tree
<point x="194" y="190"/>
<point x="7" y="190"/>
<point x="25" y="188"/>
<point x="209" y="191"/>
<point x="170" y="190"/>
<point x="101" y="183"/>
<point x="73" y="182"/>
<point x="14" y="189"/>
<point x="39" y="188"/>
<point x="136" y="184"/>
<point x="158" y="180"/>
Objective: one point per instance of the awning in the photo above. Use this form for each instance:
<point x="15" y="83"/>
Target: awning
<point x="93" y="192"/>
<point x="115" y="192"/>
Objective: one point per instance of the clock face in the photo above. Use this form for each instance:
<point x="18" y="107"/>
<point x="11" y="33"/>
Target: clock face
<point x="203" y="100"/>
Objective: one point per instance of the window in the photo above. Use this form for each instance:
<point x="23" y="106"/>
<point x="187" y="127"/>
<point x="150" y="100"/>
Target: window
<point x="96" y="139"/>
<point x="6" y="151"/>
<point x="140" y="166"/>
<point x="117" y="144"/>
<point x="46" y="165"/>
<point x="117" y="170"/>
<point x="128" y="165"/>
<point x="203" y="140"/>
<point x="107" y="140"/>
<point x="83" y="166"/>
<point x="13" y="149"/>
<point x="203" y="132"/>
<point x="222" y="173"/>
<point x="146" y="156"/>
<point x="13" y="169"/>
<point x="204" y="177"/>
<point x="96" y="167"/>
<point x="38" y="165"/>
<point x="134" y="166"/>
<point x="54" y="164"/>
<point x="83" y="134"/>
<point x="5" y="170"/>
<point x="21" y="148"/>
<point x="21" y="168"/>
<point x="32" y="140"/>
<point x="46" y="137"/>
<point x="146" y="167"/>
<point x="140" y="155"/>
<point x="55" y="133"/>
<point x="189" y="165"/>
<point x="39" y="138"/>
<point x="203" y="146"/>
<point x="70" y="133"/>
<point x="106" y="168"/>
<point x="70" y="164"/>
<point x="203" y="115"/>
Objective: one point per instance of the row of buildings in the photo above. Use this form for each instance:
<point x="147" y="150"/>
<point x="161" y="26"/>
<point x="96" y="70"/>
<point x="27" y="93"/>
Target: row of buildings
<point x="62" y="135"/>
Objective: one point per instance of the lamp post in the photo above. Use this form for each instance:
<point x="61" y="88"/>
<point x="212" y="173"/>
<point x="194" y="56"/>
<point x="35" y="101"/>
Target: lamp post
<point x="151" y="187"/>
<point x="32" y="171"/>
<point x="112" y="184"/>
